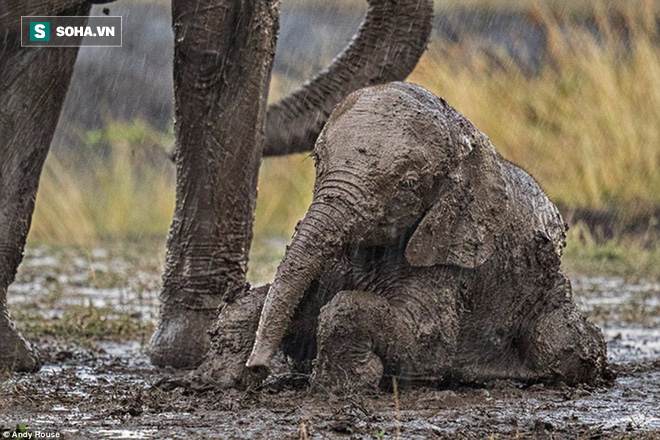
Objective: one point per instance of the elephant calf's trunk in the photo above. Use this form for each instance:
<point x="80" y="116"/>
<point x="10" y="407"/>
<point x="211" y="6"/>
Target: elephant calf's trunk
<point x="312" y="244"/>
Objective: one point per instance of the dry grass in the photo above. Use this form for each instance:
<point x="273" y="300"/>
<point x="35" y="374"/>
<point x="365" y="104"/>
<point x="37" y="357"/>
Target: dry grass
<point x="285" y="192"/>
<point x="124" y="187"/>
<point x="85" y="325"/>
<point x="626" y="257"/>
<point x="563" y="7"/>
<point x="586" y="126"/>
<point x="119" y="185"/>
<point x="582" y="7"/>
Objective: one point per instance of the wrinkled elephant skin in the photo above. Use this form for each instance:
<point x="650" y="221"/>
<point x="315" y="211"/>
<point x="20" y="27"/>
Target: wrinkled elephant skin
<point x="223" y="55"/>
<point x="33" y="85"/>
<point x="424" y="255"/>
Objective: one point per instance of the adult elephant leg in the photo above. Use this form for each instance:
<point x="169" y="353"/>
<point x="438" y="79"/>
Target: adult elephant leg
<point x="223" y="55"/>
<point x="222" y="62"/>
<point x="562" y="344"/>
<point x="33" y="84"/>
<point x="362" y="336"/>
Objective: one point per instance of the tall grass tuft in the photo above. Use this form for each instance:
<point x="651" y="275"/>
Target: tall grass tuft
<point x="121" y="185"/>
<point x="285" y="192"/>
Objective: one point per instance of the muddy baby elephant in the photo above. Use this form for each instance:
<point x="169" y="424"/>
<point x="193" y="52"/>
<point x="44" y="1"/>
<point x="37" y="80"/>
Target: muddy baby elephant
<point x="424" y="255"/>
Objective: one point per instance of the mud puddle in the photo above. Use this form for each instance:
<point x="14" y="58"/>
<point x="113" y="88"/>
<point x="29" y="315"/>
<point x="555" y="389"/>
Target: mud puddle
<point x="106" y="388"/>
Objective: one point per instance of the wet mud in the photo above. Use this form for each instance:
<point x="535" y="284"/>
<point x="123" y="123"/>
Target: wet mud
<point x="106" y="388"/>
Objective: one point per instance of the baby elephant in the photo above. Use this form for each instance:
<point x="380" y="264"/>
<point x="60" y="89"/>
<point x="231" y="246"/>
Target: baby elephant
<point x="424" y="255"/>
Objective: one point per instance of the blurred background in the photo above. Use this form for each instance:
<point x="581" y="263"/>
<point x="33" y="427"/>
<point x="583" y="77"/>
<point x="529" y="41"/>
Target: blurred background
<point x="568" y="90"/>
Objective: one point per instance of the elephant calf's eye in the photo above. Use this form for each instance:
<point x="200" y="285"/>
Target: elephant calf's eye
<point x="408" y="183"/>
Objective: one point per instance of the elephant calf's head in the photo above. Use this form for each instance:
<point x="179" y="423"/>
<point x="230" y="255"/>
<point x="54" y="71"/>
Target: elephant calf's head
<point x="398" y="157"/>
<point x="392" y="159"/>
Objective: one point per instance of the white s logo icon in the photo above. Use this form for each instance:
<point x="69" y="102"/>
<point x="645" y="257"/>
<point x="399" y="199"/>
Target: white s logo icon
<point x="39" y="31"/>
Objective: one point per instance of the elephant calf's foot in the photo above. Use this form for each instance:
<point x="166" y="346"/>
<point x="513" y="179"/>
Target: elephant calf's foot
<point x="232" y="337"/>
<point x="181" y="338"/>
<point x="567" y="347"/>
<point x="16" y="354"/>
<point x="359" y="372"/>
<point x="347" y="342"/>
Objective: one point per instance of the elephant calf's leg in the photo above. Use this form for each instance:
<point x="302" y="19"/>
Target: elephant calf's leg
<point x="362" y="335"/>
<point x="564" y="345"/>
<point x="346" y="338"/>
<point x="232" y="337"/>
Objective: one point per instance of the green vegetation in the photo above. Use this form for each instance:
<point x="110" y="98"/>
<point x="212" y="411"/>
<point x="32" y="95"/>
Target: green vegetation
<point x="586" y="127"/>
<point x="19" y="431"/>
<point x="85" y="325"/>
<point x="120" y="185"/>
<point x="84" y="295"/>
<point x="624" y="256"/>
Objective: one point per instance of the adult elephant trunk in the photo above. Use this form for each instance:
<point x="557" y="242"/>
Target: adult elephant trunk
<point x="318" y="237"/>
<point x="390" y="41"/>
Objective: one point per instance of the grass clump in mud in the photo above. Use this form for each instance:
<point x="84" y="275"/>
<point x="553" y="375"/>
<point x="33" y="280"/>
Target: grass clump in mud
<point x="18" y="431"/>
<point x="629" y="256"/>
<point x="84" y="325"/>
<point x="80" y="295"/>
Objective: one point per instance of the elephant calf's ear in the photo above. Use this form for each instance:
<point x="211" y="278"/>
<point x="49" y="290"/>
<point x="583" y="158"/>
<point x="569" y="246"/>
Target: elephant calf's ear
<point x="463" y="226"/>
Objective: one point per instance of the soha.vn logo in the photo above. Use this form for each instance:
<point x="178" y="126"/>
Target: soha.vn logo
<point x="39" y="31"/>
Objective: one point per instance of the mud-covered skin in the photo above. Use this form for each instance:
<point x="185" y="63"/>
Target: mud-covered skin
<point x="434" y="258"/>
<point x="11" y="11"/>
<point x="223" y="54"/>
<point x="33" y="84"/>
<point x="233" y="336"/>
<point x="222" y="63"/>
<point x="102" y="382"/>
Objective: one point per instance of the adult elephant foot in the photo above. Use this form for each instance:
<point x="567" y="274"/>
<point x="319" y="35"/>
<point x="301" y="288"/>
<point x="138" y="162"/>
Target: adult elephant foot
<point x="181" y="339"/>
<point x="232" y="338"/>
<point x="16" y="354"/>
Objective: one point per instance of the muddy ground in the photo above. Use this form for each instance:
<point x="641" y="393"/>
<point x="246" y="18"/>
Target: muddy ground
<point x="91" y="313"/>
